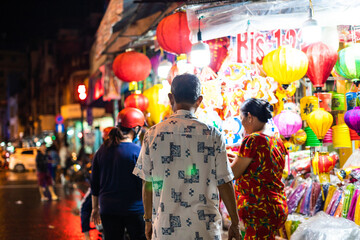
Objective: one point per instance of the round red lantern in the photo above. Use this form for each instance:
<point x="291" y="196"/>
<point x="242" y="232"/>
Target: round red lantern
<point x="138" y="101"/>
<point x="322" y="59"/>
<point x="326" y="163"/>
<point x="173" y="33"/>
<point x="132" y="66"/>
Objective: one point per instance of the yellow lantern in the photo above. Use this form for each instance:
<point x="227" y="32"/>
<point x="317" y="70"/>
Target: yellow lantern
<point x="285" y="65"/>
<point x="308" y="105"/>
<point x="157" y="110"/>
<point x="320" y="121"/>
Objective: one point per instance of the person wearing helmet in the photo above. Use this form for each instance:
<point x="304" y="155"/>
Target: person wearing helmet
<point x="116" y="192"/>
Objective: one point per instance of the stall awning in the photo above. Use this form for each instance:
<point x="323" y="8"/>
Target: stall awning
<point x="232" y="18"/>
<point x="123" y="23"/>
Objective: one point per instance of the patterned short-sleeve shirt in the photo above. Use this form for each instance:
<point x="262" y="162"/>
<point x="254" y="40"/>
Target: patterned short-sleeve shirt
<point x="185" y="160"/>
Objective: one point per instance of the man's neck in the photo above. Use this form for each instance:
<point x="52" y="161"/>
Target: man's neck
<point x="186" y="107"/>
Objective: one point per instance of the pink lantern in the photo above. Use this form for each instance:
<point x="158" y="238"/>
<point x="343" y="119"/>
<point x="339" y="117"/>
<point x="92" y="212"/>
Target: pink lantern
<point x="288" y="123"/>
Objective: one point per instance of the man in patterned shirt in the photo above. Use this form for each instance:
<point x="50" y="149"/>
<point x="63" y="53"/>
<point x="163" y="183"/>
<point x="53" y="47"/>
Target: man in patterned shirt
<point x="184" y="166"/>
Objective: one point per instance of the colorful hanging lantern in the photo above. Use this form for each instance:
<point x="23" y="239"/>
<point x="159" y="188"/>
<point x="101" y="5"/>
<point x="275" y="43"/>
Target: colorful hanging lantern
<point x="341" y="136"/>
<point x="320" y="121"/>
<point x="350" y="100"/>
<point x="338" y="101"/>
<point x="288" y="123"/>
<point x="299" y="138"/>
<point x="352" y="119"/>
<point x="285" y="65"/>
<point x="173" y="33"/>
<point x="156" y="110"/>
<point x="322" y="164"/>
<point x="322" y="59"/>
<point x="348" y="63"/>
<point x="308" y="105"/>
<point x="138" y="101"/>
<point x="132" y="66"/>
<point x="325" y="100"/>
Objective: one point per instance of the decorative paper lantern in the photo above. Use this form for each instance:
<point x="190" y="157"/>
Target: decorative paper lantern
<point x="173" y="32"/>
<point x="341" y="136"/>
<point x="308" y="105"/>
<point x="138" y="101"/>
<point x="325" y="100"/>
<point x="348" y="63"/>
<point x="352" y="119"/>
<point x="330" y="37"/>
<point x="311" y="140"/>
<point x="219" y="51"/>
<point x="132" y="66"/>
<point x="299" y="138"/>
<point x="156" y="110"/>
<point x="320" y="121"/>
<point x="322" y="59"/>
<point x="353" y="135"/>
<point x="324" y="162"/>
<point x="285" y="65"/>
<point x="351" y="100"/>
<point x="328" y="137"/>
<point x="288" y="123"/>
<point x="338" y="101"/>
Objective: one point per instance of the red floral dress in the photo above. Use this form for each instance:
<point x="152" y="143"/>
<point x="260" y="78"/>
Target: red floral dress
<point x="260" y="191"/>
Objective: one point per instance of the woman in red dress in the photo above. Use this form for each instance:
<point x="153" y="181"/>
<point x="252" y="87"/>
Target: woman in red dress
<point x="258" y="170"/>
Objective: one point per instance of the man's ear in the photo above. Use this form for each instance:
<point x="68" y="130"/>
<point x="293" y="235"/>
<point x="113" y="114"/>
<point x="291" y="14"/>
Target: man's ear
<point x="171" y="98"/>
<point x="198" y="101"/>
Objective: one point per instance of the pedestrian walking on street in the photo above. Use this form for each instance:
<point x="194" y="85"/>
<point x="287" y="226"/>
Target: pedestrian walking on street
<point x="113" y="185"/>
<point x="43" y="174"/>
<point x="258" y="171"/>
<point x="65" y="157"/>
<point x="184" y="165"/>
<point x="86" y="203"/>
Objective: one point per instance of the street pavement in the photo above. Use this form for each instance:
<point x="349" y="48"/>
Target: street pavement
<point x="23" y="216"/>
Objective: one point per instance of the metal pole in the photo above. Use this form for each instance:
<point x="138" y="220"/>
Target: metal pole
<point x="82" y="125"/>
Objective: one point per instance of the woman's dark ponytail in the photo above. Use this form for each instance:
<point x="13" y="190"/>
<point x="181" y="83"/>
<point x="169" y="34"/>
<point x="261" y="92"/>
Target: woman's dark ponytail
<point x="116" y="135"/>
<point x="258" y="108"/>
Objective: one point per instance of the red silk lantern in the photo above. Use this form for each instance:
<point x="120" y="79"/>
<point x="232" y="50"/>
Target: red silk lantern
<point x="173" y="33"/>
<point x="219" y="51"/>
<point x="138" y="101"/>
<point x="132" y="66"/>
<point x="322" y="59"/>
<point x="326" y="163"/>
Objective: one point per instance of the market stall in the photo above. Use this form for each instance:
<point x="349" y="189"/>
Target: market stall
<point x="311" y="83"/>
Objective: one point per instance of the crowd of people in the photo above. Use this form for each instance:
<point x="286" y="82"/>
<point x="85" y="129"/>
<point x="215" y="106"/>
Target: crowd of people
<point x="169" y="187"/>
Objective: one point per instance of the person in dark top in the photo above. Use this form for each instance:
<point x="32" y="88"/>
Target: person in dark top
<point x="43" y="174"/>
<point x="113" y="185"/>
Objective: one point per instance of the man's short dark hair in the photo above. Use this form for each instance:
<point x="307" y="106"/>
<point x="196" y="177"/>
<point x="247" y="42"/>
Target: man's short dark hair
<point x="186" y="88"/>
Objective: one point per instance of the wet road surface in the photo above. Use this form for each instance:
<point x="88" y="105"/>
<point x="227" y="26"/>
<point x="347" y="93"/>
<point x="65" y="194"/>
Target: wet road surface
<point x="23" y="216"/>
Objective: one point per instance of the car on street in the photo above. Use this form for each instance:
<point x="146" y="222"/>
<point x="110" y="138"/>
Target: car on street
<point x="23" y="159"/>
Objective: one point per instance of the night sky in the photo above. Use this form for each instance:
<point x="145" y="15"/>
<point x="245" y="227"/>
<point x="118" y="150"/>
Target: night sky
<point x="23" y="22"/>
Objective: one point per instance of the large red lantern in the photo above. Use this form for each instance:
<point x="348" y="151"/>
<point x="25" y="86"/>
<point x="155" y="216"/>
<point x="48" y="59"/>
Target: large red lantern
<point x="173" y="33"/>
<point x="138" y="101"/>
<point x="132" y="66"/>
<point x="322" y="59"/>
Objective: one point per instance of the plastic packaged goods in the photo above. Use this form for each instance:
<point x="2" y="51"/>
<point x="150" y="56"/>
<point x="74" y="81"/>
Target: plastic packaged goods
<point x="352" y="207"/>
<point x="325" y="227"/>
<point x="349" y="192"/>
<point x="353" y="160"/>
<point x="329" y="197"/>
<point x="294" y="198"/>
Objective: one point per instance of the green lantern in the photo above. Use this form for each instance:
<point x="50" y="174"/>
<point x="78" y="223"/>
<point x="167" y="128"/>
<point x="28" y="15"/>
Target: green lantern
<point x="348" y="63"/>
